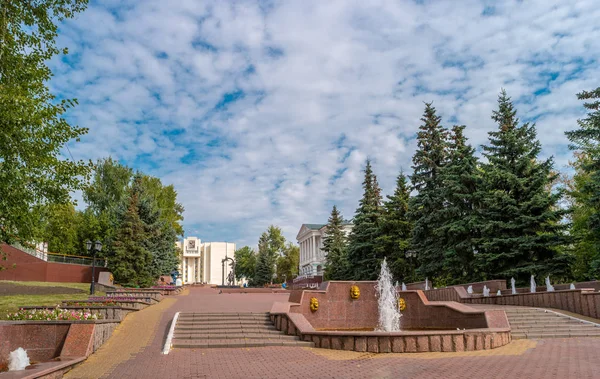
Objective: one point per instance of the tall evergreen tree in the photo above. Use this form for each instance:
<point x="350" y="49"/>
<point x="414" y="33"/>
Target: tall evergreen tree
<point x="586" y="222"/>
<point x="395" y="232"/>
<point x="521" y="228"/>
<point x="334" y="246"/>
<point x="362" y="258"/>
<point x="424" y="209"/>
<point x="130" y="261"/>
<point x="271" y="244"/>
<point x="458" y="217"/>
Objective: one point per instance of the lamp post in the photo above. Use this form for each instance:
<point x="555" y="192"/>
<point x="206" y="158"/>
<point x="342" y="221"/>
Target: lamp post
<point x="410" y="255"/>
<point x="96" y="248"/>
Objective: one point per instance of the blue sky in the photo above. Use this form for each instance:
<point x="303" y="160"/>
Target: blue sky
<point x="263" y="112"/>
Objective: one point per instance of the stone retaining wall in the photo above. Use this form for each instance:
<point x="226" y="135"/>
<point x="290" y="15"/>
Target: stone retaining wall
<point x="134" y="304"/>
<point x="397" y="342"/>
<point x="154" y="295"/>
<point x="580" y="301"/>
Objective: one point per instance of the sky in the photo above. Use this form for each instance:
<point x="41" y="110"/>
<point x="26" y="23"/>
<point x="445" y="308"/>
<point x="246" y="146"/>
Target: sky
<point x="264" y="112"/>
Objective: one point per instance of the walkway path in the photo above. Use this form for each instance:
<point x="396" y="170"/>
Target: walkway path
<point x="556" y="358"/>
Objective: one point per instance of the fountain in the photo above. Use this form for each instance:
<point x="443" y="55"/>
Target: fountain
<point x="18" y="360"/>
<point x="389" y="315"/>
<point x="512" y="286"/>
<point x="403" y="286"/>
<point x="549" y="287"/>
<point x="426" y="284"/>
<point x="572" y="286"/>
<point x="486" y="291"/>
<point x="470" y="289"/>
<point x="532" y="286"/>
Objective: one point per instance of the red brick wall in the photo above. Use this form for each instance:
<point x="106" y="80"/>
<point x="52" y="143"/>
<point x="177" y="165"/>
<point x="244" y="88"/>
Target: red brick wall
<point x="30" y="268"/>
<point x="42" y="342"/>
<point x="338" y="311"/>
<point x="583" y="302"/>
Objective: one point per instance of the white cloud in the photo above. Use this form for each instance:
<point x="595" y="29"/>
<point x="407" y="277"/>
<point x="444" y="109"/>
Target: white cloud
<point x="325" y="85"/>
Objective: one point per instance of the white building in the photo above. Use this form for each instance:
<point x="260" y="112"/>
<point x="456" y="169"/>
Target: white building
<point x="312" y="257"/>
<point x="203" y="262"/>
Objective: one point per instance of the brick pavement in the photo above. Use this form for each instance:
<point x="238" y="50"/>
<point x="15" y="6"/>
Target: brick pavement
<point x="548" y="359"/>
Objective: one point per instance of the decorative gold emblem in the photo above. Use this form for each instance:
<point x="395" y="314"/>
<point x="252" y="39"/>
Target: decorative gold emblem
<point x="111" y="278"/>
<point x="354" y="292"/>
<point x="314" y="304"/>
<point x="401" y="304"/>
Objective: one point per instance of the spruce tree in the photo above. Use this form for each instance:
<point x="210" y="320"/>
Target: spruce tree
<point x="458" y="217"/>
<point x="395" y="232"/>
<point x="586" y="220"/>
<point x="334" y="246"/>
<point x="130" y="261"/>
<point x="362" y="259"/>
<point x="424" y="208"/>
<point x="521" y="227"/>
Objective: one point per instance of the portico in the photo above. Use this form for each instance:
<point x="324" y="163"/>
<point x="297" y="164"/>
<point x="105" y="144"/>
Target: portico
<point x="310" y="239"/>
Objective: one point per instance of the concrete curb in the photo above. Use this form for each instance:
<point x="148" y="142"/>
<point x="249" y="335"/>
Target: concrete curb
<point x="167" y="347"/>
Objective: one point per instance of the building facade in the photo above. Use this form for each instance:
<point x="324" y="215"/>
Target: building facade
<point x="312" y="257"/>
<point x="202" y="262"/>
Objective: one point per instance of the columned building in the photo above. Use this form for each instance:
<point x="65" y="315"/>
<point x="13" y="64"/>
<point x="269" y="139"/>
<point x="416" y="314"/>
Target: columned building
<point x="202" y="262"/>
<point x="312" y="257"/>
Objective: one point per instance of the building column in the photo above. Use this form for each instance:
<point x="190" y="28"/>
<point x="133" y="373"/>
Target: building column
<point x="315" y="246"/>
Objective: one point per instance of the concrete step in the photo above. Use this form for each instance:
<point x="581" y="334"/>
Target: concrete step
<point x="233" y="336"/>
<point x="542" y="316"/>
<point x="558" y="321"/>
<point x="570" y="328"/>
<point x="222" y="325"/>
<point x="556" y="334"/>
<point x="223" y="315"/>
<point x="238" y="343"/>
<point x="227" y="331"/>
<point x="221" y="328"/>
<point x="229" y="319"/>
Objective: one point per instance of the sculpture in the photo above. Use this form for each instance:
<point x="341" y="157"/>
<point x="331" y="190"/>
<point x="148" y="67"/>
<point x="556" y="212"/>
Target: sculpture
<point x="314" y="304"/>
<point x="401" y="304"/>
<point x="354" y="292"/>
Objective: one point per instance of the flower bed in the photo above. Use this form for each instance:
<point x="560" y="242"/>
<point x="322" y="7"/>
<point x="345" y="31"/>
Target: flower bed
<point x="110" y="303"/>
<point x="55" y="314"/>
<point x="119" y="298"/>
<point x="166" y="287"/>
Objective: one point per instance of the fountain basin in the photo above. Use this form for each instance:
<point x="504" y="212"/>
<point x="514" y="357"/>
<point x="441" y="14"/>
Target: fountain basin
<point x="346" y="324"/>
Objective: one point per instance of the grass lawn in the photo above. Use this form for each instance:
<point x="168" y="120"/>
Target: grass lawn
<point x="79" y="286"/>
<point x="11" y="303"/>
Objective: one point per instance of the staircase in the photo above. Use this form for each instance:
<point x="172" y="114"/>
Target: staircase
<point x="219" y="330"/>
<point x="538" y="323"/>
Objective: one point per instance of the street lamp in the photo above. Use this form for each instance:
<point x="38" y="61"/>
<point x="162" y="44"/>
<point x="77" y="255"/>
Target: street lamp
<point x="410" y="255"/>
<point x="97" y="248"/>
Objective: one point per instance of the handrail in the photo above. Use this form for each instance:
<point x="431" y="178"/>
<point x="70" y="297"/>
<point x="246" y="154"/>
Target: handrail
<point x="45" y="256"/>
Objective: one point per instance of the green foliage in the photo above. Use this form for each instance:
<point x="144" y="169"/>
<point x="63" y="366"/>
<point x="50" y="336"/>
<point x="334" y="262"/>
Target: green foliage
<point x="586" y="189"/>
<point x="245" y="263"/>
<point x="108" y="191"/>
<point x="362" y="258"/>
<point x="61" y="223"/>
<point x="520" y="224"/>
<point x="428" y="160"/>
<point x="458" y="226"/>
<point x="271" y="244"/>
<point x="33" y="130"/>
<point x="395" y="232"/>
<point x="335" y="247"/>
<point x="288" y="263"/>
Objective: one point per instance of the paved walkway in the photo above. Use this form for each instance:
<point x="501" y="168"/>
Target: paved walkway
<point x="134" y="351"/>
